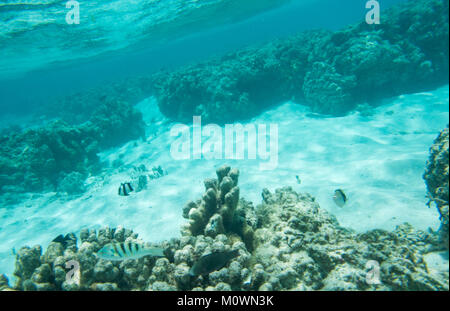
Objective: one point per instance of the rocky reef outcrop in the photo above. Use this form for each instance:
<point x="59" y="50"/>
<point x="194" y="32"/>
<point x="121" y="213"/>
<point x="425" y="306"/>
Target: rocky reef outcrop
<point x="59" y="155"/>
<point x="239" y="84"/>
<point x="286" y="243"/>
<point x="364" y="63"/>
<point x="436" y="179"/>
<point x="332" y="72"/>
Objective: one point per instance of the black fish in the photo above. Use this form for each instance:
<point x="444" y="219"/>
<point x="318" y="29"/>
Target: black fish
<point x="125" y="189"/>
<point x="212" y="262"/>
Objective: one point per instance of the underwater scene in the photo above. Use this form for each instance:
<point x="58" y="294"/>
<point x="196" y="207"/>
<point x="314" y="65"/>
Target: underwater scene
<point x="224" y="145"/>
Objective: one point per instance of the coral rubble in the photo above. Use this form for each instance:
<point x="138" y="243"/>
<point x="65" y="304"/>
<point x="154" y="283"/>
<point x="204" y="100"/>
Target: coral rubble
<point x="286" y="243"/>
<point x="436" y="178"/>
<point x="332" y="72"/>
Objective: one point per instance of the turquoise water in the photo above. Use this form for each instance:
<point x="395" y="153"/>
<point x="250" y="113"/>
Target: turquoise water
<point x="357" y="114"/>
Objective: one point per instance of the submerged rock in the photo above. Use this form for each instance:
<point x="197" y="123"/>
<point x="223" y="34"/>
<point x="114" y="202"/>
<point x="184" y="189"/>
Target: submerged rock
<point x="437" y="178"/>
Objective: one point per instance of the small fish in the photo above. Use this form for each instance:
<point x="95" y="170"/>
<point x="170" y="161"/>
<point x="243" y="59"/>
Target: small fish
<point x="125" y="189"/>
<point x="212" y="262"/>
<point x="14" y="251"/>
<point x="339" y="198"/>
<point x="128" y="250"/>
<point x="299" y="181"/>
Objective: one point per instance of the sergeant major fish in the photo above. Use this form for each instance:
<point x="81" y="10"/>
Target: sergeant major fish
<point x="125" y="189"/>
<point x="128" y="250"/>
<point x="339" y="198"/>
<point x="212" y="262"/>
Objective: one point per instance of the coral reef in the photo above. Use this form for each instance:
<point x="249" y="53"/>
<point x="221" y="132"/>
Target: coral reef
<point x="332" y="72"/>
<point x="40" y="159"/>
<point x="293" y="245"/>
<point x="37" y="271"/>
<point x="81" y="106"/>
<point x="304" y="247"/>
<point x="436" y="178"/>
<point x="220" y="211"/>
<point x="238" y="85"/>
<point x="368" y="62"/>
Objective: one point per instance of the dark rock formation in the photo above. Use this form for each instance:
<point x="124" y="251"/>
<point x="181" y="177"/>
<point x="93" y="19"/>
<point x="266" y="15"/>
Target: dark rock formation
<point x="436" y="178"/>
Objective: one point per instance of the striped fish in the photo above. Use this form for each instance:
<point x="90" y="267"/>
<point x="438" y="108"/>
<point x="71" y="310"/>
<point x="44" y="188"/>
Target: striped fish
<point x="127" y="250"/>
<point x="125" y="189"/>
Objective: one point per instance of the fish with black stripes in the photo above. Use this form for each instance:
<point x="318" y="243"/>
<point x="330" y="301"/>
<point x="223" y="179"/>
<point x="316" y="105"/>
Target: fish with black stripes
<point x="125" y="189"/>
<point x="128" y="250"/>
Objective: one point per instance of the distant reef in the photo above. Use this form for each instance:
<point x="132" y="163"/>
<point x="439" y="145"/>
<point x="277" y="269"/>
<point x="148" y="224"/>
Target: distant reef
<point x="58" y="156"/>
<point x="436" y="178"/>
<point x="332" y="72"/>
<point x="286" y="243"/>
<point x="80" y="106"/>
